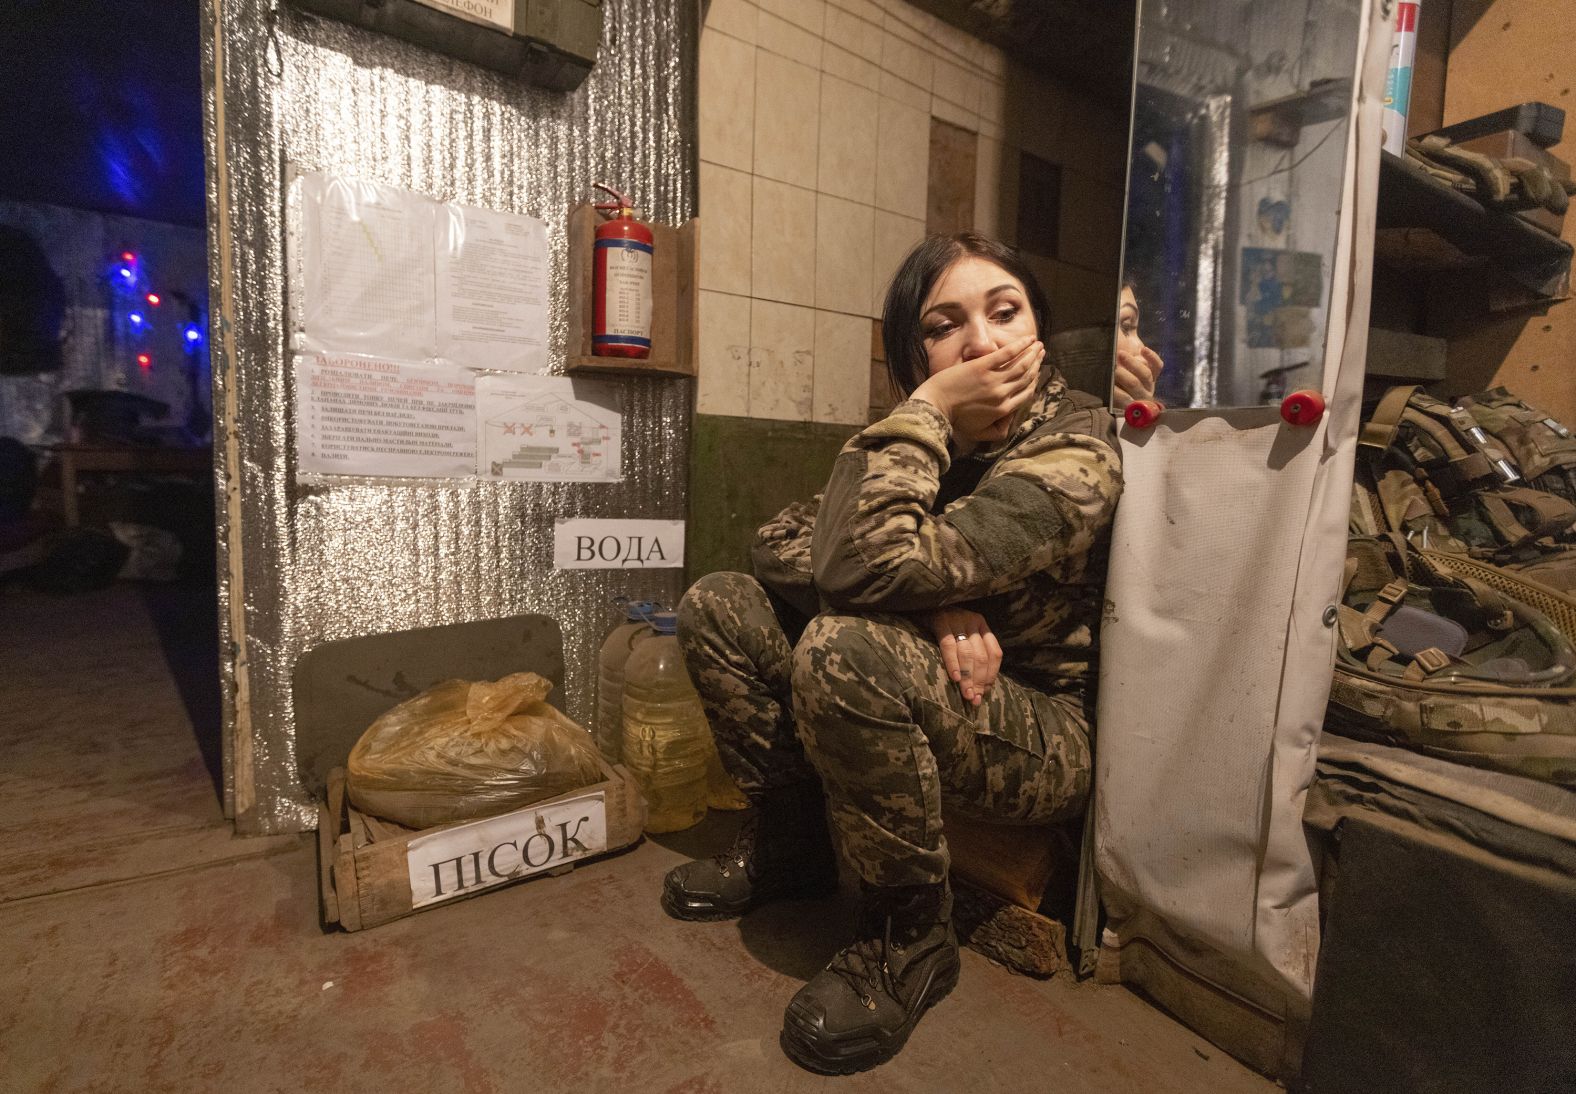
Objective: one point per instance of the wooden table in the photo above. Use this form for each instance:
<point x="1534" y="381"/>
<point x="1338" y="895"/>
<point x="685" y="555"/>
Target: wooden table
<point x="79" y="459"/>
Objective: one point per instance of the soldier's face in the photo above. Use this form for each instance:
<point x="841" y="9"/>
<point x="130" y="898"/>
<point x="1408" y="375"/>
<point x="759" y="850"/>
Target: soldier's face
<point x="974" y="308"/>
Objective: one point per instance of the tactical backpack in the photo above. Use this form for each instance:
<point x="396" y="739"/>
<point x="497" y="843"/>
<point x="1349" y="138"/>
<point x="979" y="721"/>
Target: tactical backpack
<point x="1432" y="658"/>
<point x="1543" y="448"/>
<point x="1545" y="452"/>
<point x="1435" y="475"/>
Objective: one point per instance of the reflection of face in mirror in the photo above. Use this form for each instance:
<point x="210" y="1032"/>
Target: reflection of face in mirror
<point x="1137" y="366"/>
<point x="977" y="311"/>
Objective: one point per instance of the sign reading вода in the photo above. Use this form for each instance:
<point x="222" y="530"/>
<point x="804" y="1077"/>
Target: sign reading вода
<point x="497" y="13"/>
<point x="459" y="861"/>
<point x="596" y="544"/>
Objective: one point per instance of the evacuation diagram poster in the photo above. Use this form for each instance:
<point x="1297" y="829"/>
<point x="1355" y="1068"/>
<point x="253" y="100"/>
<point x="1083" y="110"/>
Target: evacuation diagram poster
<point x="548" y="429"/>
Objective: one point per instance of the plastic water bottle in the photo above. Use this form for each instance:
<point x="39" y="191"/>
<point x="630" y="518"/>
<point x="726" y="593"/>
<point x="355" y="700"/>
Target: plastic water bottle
<point x="609" y="732"/>
<point x="666" y="738"/>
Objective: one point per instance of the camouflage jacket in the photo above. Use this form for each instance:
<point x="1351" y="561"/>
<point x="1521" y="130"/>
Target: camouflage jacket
<point x="1018" y="533"/>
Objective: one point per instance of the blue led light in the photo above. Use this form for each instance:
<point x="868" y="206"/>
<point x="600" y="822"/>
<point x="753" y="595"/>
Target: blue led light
<point x="135" y="318"/>
<point x="192" y="334"/>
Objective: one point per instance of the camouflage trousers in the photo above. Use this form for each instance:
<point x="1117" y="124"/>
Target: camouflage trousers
<point x="864" y="704"/>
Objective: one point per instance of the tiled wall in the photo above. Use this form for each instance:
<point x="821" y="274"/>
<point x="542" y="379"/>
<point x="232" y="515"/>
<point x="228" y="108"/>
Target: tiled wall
<point x="816" y="169"/>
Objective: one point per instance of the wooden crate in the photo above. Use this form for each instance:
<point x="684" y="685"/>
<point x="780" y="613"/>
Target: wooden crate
<point x="675" y="301"/>
<point x="1001" y="877"/>
<point x="364" y="863"/>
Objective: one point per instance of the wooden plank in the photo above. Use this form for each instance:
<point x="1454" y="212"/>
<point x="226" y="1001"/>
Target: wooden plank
<point x="345" y="887"/>
<point x="687" y="300"/>
<point x="330" y="825"/>
<point x="379" y="829"/>
<point x="1024" y="941"/>
<point x="82" y="862"/>
<point x="581" y="227"/>
<point x="383" y="882"/>
<point x="664" y="296"/>
<point x="328" y="899"/>
<point x="336" y="799"/>
<point x="1426" y="111"/>
<point x="623" y="366"/>
<point x="1012" y="861"/>
<point x="361" y="830"/>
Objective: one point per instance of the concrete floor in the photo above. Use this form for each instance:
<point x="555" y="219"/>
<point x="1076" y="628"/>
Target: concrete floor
<point x="147" y="949"/>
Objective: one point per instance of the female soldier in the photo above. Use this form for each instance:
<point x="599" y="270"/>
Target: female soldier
<point x="962" y="534"/>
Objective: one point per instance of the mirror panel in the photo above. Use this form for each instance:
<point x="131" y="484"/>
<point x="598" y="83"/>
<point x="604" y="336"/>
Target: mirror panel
<point x="1237" y="153"/>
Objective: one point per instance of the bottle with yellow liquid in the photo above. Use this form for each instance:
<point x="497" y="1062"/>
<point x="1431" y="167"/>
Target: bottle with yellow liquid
<point x="666" y="739"/>
<point x="721" y="791"/>
<point x="616" y="651"/>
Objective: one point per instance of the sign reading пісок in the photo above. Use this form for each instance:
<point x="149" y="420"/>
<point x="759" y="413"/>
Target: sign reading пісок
<point x="459" y="861"/>
<point x="618" y="544"/>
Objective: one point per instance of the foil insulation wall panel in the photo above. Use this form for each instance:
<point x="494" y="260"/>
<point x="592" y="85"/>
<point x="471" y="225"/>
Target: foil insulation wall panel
<point x="307" y="563"/>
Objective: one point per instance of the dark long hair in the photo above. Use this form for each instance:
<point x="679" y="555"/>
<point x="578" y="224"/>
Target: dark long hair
<point x="907" y="363"/>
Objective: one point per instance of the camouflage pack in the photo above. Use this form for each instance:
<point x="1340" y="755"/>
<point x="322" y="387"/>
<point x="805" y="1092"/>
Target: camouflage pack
<point x="1446" y="481"/>
<point x="1432" y="657"/>
<point x="1543" y="447"/>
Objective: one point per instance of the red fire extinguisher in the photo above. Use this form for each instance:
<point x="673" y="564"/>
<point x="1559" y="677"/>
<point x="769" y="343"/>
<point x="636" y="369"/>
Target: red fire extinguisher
<point x="621" y="308"/>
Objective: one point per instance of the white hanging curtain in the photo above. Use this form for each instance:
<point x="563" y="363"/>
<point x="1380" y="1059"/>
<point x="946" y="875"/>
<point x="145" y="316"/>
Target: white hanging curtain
<point x="1227" y="551"/>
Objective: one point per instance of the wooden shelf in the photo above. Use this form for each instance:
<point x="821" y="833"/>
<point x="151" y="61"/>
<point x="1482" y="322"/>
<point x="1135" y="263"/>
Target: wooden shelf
<point x="1425" y="225"/>
<point x="675" y="302"/>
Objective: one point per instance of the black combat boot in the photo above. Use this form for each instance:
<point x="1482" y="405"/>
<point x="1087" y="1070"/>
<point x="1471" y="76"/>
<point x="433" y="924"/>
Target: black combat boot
<point x="782" y="850"/>
<point x="860" y="1009"/>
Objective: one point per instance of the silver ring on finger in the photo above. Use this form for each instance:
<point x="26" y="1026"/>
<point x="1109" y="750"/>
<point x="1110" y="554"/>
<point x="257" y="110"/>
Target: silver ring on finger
<point x="961" y="637"/>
